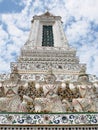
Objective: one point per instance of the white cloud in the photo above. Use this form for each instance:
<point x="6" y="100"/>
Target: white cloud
<point x="3" y="34"/>
<point x="77" y="29"/>
<point x="80" y="8"/>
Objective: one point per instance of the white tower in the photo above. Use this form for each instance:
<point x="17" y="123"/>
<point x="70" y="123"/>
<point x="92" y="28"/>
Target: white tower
<point x="46" y="48"/>
<point x="48" y="27"/>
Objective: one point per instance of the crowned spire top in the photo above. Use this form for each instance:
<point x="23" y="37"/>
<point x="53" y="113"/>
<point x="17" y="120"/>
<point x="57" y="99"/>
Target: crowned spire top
<point x="47" y="13"/>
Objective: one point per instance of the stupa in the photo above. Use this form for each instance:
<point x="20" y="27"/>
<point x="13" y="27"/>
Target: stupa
<point x="48" y="88"/>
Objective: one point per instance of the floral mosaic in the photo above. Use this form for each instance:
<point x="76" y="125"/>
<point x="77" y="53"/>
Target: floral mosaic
<point x="49" y="119"/>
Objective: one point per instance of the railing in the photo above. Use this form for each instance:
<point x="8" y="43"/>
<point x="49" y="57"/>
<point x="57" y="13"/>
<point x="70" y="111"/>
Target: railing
<point x="48" y="127"/>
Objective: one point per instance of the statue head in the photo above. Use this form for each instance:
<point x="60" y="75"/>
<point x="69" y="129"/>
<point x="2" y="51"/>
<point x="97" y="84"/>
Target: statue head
<point x="50" y="77"/>
<point x="83" y="76"/>
<point x="14" y="75"/>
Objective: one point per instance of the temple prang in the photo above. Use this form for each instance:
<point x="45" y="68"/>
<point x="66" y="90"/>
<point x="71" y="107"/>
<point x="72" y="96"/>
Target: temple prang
<point x="48" y="78"/>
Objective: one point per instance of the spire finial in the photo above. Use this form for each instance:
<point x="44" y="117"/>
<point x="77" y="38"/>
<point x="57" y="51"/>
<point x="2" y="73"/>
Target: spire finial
<point x="47" y="9"/>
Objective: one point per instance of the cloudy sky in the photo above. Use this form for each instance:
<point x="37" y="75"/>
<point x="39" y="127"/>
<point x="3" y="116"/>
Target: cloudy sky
<point x="80" y="22"/>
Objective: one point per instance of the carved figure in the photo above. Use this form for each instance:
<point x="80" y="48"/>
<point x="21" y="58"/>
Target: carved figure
<point x="67" y="106"/>
<point x="23" y="106"/>
<point x="11" y="101"/>
<point x="67" y="94"/>
<point x="86" y="100"/>
<point x="50" y="102"/>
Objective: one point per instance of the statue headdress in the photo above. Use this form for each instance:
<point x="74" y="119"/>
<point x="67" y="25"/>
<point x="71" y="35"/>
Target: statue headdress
<point x="15" y="72"/>
<point x="50" y="73"/>
<point x="82" y="73"/>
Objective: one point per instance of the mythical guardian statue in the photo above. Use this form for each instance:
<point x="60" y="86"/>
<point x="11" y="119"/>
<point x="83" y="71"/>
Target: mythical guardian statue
<point x="10" y="100"/>
<point x="50" y="102"/>
<point x="86" y="100"/>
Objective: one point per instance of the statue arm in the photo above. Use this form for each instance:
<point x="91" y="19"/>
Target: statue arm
<point x="25" y="86"/>
<point x="27" y="98"/>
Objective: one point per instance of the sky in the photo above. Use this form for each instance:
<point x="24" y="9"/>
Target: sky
<point x="80" y="23"/>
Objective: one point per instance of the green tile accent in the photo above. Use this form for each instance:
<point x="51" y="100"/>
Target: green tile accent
<point x="47" y="37"/>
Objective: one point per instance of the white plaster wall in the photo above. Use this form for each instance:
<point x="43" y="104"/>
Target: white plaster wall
<point x="39" y="36"/>
<point x="62" y="34"/>
<point x="34" y="33"/>
<point x="60" y="39"/>
<point x="56" y="34"/>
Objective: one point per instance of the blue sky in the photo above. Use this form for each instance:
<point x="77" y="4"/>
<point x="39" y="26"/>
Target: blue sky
<point x="80" y="22"/>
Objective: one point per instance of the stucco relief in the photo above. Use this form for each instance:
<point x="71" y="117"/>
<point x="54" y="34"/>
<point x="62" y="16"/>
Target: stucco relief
<point x="48" y="94"/>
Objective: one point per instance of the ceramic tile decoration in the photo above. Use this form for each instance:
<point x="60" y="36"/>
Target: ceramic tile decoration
<point x="47" y="85"/>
